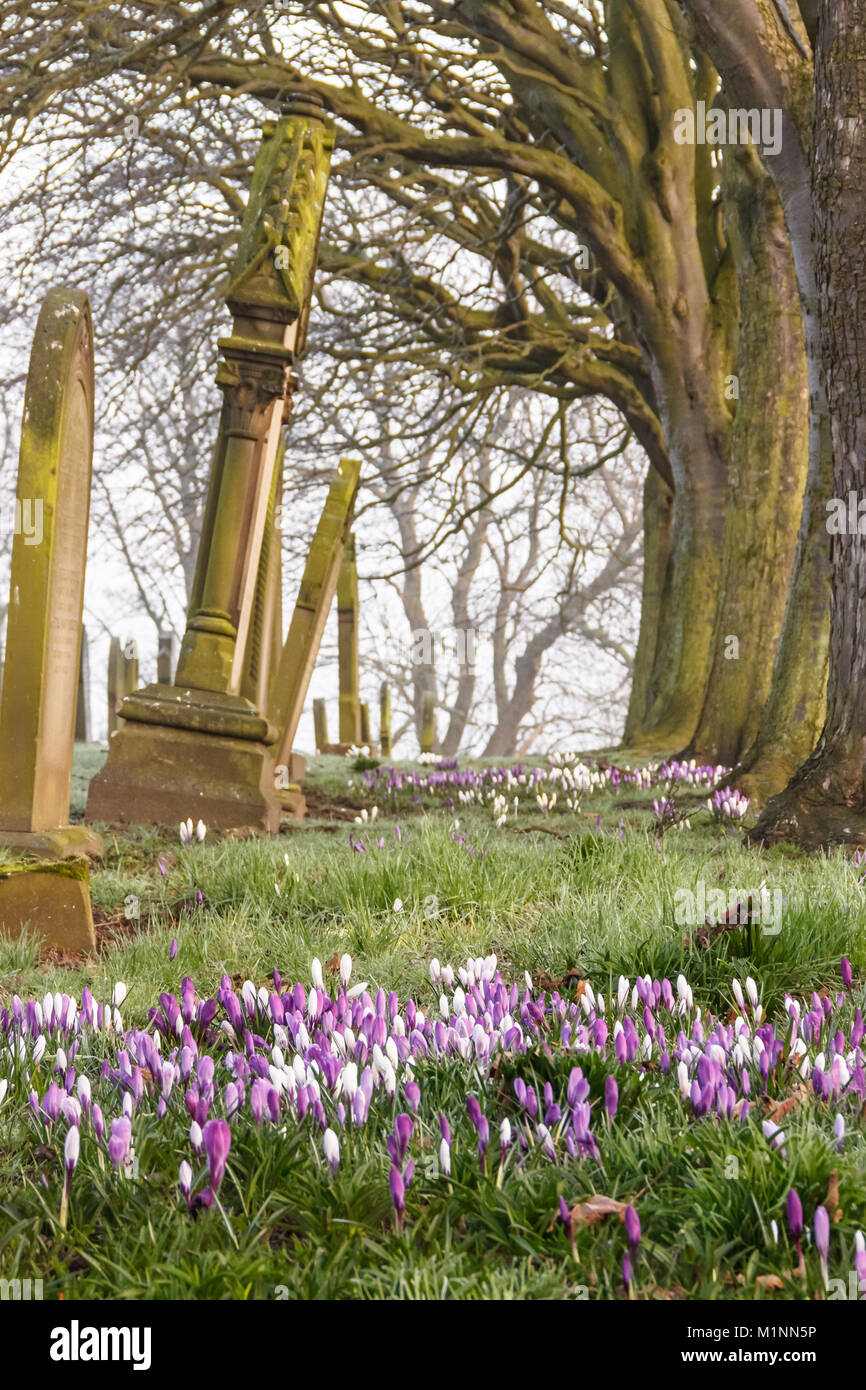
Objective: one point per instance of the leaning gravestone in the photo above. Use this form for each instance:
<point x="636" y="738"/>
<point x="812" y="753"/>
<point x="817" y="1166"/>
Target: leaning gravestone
<point x="40" y="686"/>
<point x="428" y="722"/>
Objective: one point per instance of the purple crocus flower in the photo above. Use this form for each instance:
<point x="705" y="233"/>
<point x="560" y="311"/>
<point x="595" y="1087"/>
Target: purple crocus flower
<point x="847" y="976"/>
<point x="795" y="1214"/>
<point x="611" y="1097"/>
<point x="217" y="1138"/>
<point x="120" y="1141"/>
<point x="398" y="1194"/>
<point x="822" y="1238"/>
<point x="632" y="1228"/>
<point x="173" y="949"/>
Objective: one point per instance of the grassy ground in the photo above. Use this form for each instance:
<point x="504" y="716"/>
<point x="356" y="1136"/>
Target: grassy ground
<point x="562" y="897"/>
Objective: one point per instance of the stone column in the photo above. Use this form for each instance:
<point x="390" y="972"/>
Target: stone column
<point x="202" y="747"/>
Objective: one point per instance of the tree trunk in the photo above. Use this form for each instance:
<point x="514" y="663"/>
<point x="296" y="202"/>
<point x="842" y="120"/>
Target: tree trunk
<point x="824" y="802"/>
<point x="767" y="470"/>
<point x="658" y="510"/>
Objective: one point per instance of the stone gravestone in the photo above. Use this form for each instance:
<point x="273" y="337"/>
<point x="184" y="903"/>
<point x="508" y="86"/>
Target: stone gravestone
<point x="82" y="708"/>
<point x="46" y="596"/>
<point x="347" y="647"/>
<point x="428" y="721"/>
<point x="385" y="721"/>
<point x="166" y="656"/>
<point x="41" y="671"/>
<point x="315" y="597"/>
<point x="320" y="724"/>
<point x="366" y="734"/>
<point x="122" y="679"/>
<point x="201" y="747"/>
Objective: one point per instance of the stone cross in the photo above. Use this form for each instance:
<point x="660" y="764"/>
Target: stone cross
<point x="43" y="641"/>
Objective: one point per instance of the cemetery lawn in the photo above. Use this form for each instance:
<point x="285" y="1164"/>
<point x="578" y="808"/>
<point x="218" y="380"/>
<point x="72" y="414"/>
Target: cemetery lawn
<point x="558" y="896"/>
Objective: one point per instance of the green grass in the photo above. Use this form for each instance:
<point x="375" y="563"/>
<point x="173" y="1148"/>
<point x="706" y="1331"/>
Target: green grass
<point x="577" y="899"/>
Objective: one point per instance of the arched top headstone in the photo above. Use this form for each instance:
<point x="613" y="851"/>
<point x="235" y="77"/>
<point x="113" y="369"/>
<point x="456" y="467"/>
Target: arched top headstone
<point x="46" y="597"/>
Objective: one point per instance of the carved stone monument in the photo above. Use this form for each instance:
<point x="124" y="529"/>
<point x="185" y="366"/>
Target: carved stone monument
<point x="43" y="640"/>
<point x="202" y="747"/>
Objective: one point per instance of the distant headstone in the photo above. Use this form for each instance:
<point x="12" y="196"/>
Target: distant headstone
<point x="385" y="721"/>
<point x="347" y="646"/>
<point x="366" y="734"/>
<point x="43" y="640"/>
<point x="82" y="708"/>
<point x="428" y="721"/>
<point x="122" y="679"/>
<point x="166" y="658"/>
<point x="320" y="724"/>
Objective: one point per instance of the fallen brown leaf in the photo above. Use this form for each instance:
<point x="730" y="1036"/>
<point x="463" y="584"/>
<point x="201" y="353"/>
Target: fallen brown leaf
<point x="831" y="1201"/>
<point x="595" y="1208"/>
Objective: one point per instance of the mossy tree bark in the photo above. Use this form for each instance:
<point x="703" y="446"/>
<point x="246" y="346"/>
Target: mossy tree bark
<point x="825" y="801"/>
<point x="767" y="467"/>
<point x="765" y="58"/>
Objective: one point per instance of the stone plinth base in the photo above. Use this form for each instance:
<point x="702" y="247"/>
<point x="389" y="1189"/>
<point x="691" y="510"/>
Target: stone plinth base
<point x="66" y="842"/>
<point x="160" y="776"/>
<point x="52" y="899"/>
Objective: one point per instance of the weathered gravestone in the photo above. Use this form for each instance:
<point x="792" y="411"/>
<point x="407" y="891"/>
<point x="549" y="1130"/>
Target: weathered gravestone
<point x="166" y="656"/>
<point x="385" y="721"/>
<point x="347" y="647"/>
<point x="428" y="721"/>
<point x="202" y="746"/>
<point x="315" y="596"/>
<point x="46" y="597"/>
<point x="366" y="734"/>
<point x="122" y="679"/>
<point x="82" y="706"/>
<point x="320" y="725"/>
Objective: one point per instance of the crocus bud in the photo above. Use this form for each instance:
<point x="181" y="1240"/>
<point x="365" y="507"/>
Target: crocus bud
<point x="200" y="831"/>
<point x="184" y="1179"/>
<point x="632" y="1227"/>
<point x="217" y="1139"/>
<point x="316" y="973"/>
<point x="794" y="1209"/>
<point x="345" y="970"/>
<point x="445" y="1157"/>
<point x="331" y="1146"/>
<point x="71" y="1150"/>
